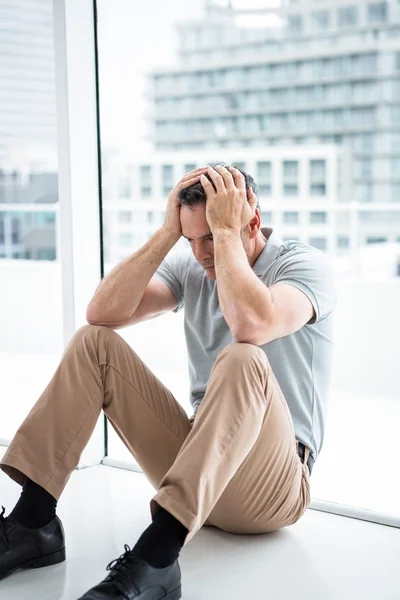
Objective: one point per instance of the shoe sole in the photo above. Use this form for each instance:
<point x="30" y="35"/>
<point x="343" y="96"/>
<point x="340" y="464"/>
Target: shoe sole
<point x="175" y="594"/>
<point x="42" y="561"/>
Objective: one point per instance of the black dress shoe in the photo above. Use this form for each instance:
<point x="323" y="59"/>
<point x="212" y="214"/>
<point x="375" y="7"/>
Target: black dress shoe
<point x="25" y="548"/>
<point x="132" y="577"/>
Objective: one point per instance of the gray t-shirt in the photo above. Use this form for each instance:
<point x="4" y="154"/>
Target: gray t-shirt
<point x="302" y="362"/>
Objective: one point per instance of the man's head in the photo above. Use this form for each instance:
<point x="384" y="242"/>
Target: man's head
<point x="196" y="229"/>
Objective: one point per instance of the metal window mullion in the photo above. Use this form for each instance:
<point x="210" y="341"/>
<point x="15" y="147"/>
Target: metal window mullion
<point x="78" y="174"/>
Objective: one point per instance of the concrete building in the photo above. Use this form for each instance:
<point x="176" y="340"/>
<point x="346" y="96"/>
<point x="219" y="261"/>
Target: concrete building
<point x="28" y="137"/>
<point x="326" y="73"/>
<point x="298" y="195"/>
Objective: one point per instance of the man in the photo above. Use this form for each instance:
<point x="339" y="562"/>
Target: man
<point x="258" y="326"/>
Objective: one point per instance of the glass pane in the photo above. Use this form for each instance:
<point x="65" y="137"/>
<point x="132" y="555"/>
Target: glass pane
<point x="31" y="340"/>
<point x="196" y="97"/>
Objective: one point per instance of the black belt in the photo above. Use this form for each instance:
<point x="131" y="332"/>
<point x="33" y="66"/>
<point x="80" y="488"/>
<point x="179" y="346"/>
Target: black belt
<point x="310" y="461"/>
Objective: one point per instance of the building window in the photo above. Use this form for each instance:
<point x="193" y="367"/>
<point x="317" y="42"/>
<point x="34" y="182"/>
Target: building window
<point x="188" y="168"/>
<point x="264" y="171"/>
<point x="377" y="12"/>
<point x="376" y="239"/>
<point x="125" y="239"/>
<point x="320" y="19"/>
<point x="290" y="190"/>
<point x="317" y="177"/>
<point x="264" y="178"/>
<point x="343" y="241"/>
<point x="44" y="218"/>
<point x="396" y="192"/>
<point x="295" y="23"/>
<point x="290" y="170"/>
<point x="290" y="217"/>
<point x="145" y="192"/>
<point x="266" y="217"/>
<point x="317" y="189"/>
<point x="45" y="254"/>
<point x="145" y="175"/>
<point x="363" y="167"/>
<point x="318" y="242"/>
<point x="167" y="179"/>
<point x="125" y="216"/>
<point x="318" y="217"/>
<point x="364" y="192"/>
<point x="347" y="16"/>
<point x="265" y="190"/>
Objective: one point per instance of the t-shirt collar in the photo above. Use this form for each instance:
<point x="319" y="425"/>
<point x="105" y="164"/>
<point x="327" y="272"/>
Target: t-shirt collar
<point x="270" y="251"/>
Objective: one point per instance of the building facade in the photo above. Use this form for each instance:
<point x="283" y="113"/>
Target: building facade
<point x="327" y="73"/>
<point x="28" y="137"/>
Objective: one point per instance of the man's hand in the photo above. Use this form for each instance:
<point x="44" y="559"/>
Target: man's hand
<point x="231" y="206"/>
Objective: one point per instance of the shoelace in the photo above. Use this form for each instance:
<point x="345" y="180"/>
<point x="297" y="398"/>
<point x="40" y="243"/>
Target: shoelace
<point x="120" y="567"/>
<point x="3" y="525"/>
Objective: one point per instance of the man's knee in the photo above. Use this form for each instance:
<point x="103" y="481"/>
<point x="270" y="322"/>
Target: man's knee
<point x="241" y="351"/>
<point x="91" y="331"/>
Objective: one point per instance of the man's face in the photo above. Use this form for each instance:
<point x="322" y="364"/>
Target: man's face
<point x="194" y="226"/>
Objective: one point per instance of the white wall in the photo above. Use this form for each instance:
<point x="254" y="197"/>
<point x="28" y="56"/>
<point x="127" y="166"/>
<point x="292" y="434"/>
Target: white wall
<point x="367" y="327"/>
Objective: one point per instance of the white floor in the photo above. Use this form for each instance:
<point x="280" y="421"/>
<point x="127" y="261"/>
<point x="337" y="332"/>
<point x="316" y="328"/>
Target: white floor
<point x="322" y="557"/>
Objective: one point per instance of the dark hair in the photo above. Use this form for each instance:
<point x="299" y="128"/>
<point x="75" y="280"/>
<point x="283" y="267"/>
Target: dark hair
<point x="195" y="194"/>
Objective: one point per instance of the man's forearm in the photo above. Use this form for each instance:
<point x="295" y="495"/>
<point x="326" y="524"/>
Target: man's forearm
<point x="120" y="291"/>
<point x="244" y="299"/>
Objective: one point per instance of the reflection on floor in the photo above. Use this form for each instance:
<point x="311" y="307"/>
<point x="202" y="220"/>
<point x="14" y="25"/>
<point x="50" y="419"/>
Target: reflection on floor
<point x="322" y="557"/>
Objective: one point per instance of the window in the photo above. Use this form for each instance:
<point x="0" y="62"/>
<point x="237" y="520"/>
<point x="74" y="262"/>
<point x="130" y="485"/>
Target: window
<point x="290" y="169"/>
<point x="44" y="218"/>
<point x="343" y="241"/>
<point x="290" y="190"/>
<point x="125" y="216"/>
<point x="363" y="167"/>
<point x="264" y="190"/>
<point x="318" y="217"/>
<point x="374" y="239"/>
<point x="145" y="175"/>
<point x="320" y="19"/>
<point x="317" y="170"/>
<point x="317" y="189"/>
<point x="295" y="23"/>
<point x="347" y="16"/>
<point x="264" y="171"/>
<point x="364" y="192"/>
<point x="264" y="178"/>
<point x="46" y="254"/>
<point x="377" y="12"/>
<point x="266" y="217"/>
<point x="145" y="192"/>
<point x="167" y="179"/>
<point x="125" y="239"/>
<point x="188" y="168"/>
<point x="318" y="242"/>
<point x="290" y="217"/>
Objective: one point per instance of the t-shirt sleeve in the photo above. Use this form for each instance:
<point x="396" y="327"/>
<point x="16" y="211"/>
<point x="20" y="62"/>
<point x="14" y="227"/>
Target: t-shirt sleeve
<point x="170" y="272"/>
<point x="309" y="270"/>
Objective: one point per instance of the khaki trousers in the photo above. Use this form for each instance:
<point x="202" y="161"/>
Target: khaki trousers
<point x="235" y="466"/>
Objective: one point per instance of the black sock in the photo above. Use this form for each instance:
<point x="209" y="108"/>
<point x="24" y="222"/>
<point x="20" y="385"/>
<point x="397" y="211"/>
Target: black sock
<point x="36" y="507"/>
<point x="161" y="543"/>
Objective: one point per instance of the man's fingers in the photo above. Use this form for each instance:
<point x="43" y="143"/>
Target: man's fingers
<point x="184" y="183"/>
<point x="204" y="181"/>
<point x="226" y="176"/>
<point x="195" y="172"/>
<point x="238" y="178"/>
<point x="218" y="181"/>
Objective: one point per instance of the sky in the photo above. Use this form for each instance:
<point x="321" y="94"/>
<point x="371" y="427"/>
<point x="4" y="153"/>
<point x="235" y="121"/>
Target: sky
<point x="134" y="37"/>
